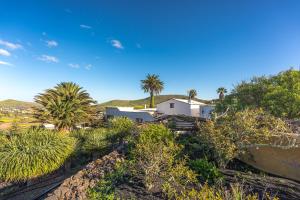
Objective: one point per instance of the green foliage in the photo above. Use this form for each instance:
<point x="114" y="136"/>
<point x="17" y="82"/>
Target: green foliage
<point x="279" y="95"/>
<point x="226" y="138"/>
<point x="122" y="126"/>
<point x="154" y="153"/>
<point x="94" y="140"/>
<point x="192" y="93"/>
<point x="153" y="85"/>
<point x="33" y="153"/>
<point x="178" y="179"/>
<point x="105" y="189"/>
<point x="221" y="91"/>
<point x="207" y="172"/>
<point x="65" y="106"/>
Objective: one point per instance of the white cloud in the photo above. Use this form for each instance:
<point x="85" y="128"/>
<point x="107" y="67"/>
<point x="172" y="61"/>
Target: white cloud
<point x="117" y="44"/>
<point x="48" y="59"/>
<point x="3" y="52"/>
<point x="10" y="45"/>
<point x="44" y="33"/>
<point x="88" y="67"/>
<point x="5" y="63"/>
<point x="51" y="43"/>
<point x="85" y="26"/>
<point x="74" y="65"/>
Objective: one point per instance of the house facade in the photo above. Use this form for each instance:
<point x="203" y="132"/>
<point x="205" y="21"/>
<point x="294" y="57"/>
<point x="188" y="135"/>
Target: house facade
<point x="185" y="107"/>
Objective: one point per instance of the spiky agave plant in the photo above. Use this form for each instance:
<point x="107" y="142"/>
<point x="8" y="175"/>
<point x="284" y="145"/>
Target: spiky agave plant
<point x="65" y="106"/>
<point x="34" y="153"/>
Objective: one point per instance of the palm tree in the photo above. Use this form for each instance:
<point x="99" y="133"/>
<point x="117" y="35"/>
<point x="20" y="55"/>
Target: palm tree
<point x="192" y="94"/>
<point x="153" y="85"/>
<point x="221" y="91"/>
<point x="65" y="106"/>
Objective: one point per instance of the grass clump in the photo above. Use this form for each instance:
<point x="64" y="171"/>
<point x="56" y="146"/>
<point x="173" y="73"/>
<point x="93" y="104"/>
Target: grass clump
<point x="33" y="153"/>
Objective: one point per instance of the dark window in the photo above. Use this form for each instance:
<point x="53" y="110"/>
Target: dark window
<point x="171" y="105"/>
<point x="139" y="120"/>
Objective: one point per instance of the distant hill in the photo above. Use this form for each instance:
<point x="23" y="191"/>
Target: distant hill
<point x="140" y="103"/>
<point x="11" y="103"/>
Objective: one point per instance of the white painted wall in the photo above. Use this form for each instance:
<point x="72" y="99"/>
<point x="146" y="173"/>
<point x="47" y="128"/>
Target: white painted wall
<point x="180" y="108"/>
<point x="130" y="113"/>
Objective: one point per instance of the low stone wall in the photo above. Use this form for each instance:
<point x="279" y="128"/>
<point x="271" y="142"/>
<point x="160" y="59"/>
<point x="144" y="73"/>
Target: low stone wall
<point x="77" y="185"/>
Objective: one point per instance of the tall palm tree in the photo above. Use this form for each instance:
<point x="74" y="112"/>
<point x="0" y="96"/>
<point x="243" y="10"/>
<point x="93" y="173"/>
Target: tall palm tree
<point x="65" y="106"/>
<point x="192" y="94"/>
<point x="153" y="85"/>
<point x="221" y="91"/>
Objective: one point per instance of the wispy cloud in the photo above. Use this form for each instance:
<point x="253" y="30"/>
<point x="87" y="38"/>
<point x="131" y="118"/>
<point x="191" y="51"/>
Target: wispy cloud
<point x="74" y="65"/>
<point x="88" y="67"/>
<point x="5" y="63"/>
<point x="44" y="33"/>
<point x="48" y="59"/>
<point x="10" y="45"/>
<point x="117" y="44"/>
<point x="51" y="43"/>
<point x="85" y="26"/>
<point x="3" y="52"/>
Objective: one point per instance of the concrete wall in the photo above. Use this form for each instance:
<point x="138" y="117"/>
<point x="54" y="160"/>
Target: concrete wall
<point x="133" y="115"/>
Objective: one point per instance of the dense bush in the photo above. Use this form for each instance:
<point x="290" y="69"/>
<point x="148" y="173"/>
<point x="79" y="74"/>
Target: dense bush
<point x="226" y="138"/>
<point x="93" y="140"/>
<point x="33" y="153"/>
<point x="206" y="171"/>
<point x="122" y="126"/>
<point x="157" y="160"/>
<point x="279" y="95"/>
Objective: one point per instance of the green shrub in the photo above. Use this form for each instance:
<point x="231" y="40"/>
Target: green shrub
<point x="96" y="140"/>
<point x="207" y="172"/>
<point x="154" y="153"/>
<point x="34" y="153"/>
<point x="226" y="138"/>
<point x="122" y="126"/>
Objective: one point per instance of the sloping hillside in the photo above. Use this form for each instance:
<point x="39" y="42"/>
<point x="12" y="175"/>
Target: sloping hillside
<point x="141" y="102"/>
<point x="11" y="103"/>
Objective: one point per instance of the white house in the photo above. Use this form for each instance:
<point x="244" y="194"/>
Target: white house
<point x="185" y="107"/>
<point x="143" y="115"/>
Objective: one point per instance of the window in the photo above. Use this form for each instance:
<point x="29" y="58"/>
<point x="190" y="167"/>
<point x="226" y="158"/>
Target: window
<point x="139" y="120"/>
<point x="171" y="105"/>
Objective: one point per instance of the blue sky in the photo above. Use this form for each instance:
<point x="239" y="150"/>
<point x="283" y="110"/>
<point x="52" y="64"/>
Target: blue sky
<point x="109" y="46"/>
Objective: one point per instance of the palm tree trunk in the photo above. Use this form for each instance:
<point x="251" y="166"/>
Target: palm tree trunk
<point x="151" y="99"/>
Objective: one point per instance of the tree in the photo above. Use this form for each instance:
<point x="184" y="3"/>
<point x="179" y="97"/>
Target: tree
<point x="153" y="85"/>
<point x="221" y="91"/>
<point x="65" y="106"/>
<point x="192" y="94"/>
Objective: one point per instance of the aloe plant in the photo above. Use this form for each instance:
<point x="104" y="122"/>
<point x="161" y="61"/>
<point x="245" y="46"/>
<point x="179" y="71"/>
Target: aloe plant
<point x="33" y="153"/>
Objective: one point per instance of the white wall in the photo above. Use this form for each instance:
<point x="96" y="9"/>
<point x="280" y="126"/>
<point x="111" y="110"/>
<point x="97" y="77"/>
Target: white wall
<point x="180" y="108"/>
<point x="133" y="115"/>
